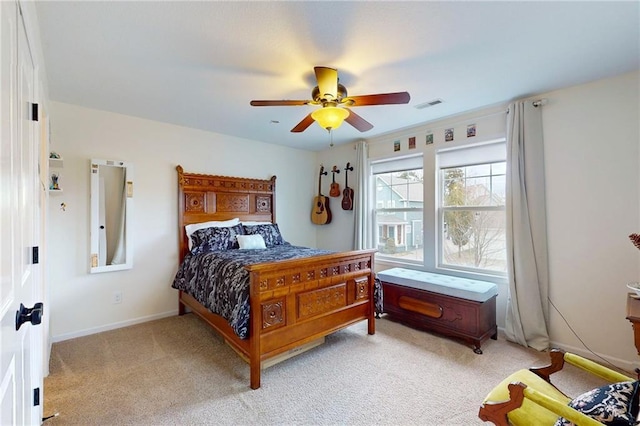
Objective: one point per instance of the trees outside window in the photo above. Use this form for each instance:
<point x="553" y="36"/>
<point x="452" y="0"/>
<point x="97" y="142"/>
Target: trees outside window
<point x="473" y="218"/>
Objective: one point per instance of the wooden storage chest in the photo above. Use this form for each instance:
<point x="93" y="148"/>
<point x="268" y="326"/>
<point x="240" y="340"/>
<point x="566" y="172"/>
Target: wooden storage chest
<point x="456" y="307"/>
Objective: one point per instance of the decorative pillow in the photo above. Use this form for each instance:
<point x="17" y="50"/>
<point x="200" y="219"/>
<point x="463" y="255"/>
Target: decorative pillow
<point x="251" y="241"/>
<point x="190" y="229"/>
<point x="615" y="404"/>
<point x="270" y="233"/>
<point x="214" y="239"/>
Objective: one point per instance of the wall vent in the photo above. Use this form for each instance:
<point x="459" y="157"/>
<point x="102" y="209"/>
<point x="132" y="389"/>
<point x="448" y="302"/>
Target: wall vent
<point x="429" y="104"/>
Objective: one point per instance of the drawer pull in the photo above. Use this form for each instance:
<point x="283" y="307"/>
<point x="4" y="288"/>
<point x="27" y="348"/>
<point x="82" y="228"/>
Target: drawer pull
<point x="425" y="308"/>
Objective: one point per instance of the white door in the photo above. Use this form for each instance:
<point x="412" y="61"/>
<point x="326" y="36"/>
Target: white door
<point x="20" y="372"/>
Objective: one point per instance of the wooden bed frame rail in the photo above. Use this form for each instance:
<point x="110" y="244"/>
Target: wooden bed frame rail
<point x="292" y="302"/>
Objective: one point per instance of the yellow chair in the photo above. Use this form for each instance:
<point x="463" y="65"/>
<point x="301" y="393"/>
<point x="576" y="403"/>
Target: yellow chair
<point x="527" y="397"/>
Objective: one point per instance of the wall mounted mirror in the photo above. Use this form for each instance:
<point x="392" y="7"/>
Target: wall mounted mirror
<point x="111" y="213"/>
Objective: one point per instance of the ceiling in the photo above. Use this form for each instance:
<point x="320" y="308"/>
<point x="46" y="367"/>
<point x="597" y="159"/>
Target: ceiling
<point x="199" y="64"/>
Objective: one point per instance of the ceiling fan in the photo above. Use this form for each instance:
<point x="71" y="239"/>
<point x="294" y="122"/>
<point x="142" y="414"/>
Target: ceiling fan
<point x="336" y="103"/>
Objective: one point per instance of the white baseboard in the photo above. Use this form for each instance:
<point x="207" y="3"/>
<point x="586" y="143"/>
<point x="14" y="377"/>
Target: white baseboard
<point x="112" y="326"/>
<point x="625" y="365"/>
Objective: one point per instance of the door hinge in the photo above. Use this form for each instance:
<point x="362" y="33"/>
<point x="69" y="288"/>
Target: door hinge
<point x="35" y="255"/>
<point x="34" y="112"/>
<point x="36" y="397"/>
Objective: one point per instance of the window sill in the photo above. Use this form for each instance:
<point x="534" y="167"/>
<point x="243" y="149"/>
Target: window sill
<point x="497" y="278"/>
<point x="398" y="263"/>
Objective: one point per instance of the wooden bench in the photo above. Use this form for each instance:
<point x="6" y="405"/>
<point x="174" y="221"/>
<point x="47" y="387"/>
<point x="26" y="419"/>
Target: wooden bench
<point x="456" y="307"/>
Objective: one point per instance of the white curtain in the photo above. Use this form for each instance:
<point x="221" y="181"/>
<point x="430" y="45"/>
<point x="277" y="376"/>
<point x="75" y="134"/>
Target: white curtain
<point x="362" y="215"/>
<point x="527" y="303"/>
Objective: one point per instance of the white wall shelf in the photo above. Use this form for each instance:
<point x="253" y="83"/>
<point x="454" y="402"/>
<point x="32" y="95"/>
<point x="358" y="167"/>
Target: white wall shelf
<point x="56" y="163"/>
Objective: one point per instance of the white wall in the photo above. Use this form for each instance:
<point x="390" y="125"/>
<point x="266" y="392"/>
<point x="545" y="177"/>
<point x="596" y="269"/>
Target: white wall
<point x="81" y="303"/>
<point x="338" y="235"/>
<point x="592" y="150"/>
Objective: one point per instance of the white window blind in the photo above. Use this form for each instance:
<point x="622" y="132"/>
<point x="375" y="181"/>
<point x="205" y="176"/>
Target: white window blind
<point x="397" y="165"/>
<point x="477" y="154"/>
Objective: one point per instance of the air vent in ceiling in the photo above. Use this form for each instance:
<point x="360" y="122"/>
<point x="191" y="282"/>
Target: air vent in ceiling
<point x="429" y="104"/>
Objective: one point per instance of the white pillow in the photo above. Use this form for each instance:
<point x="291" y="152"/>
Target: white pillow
<point x="254" y="241"/>
<point x="256" y="223"/>
<point x="190" y="229"/>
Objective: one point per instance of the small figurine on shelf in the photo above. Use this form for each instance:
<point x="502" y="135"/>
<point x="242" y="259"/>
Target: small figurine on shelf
<point x="54" y="182"/>
<point x="54" y="154"/>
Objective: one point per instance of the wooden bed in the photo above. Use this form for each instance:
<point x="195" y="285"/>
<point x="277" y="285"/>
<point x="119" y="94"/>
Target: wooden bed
<point x="297" y="301"/>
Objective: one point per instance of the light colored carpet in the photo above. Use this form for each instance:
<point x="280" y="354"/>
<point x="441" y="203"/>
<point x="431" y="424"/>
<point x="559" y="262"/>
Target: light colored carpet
<point x="176" y="371"/>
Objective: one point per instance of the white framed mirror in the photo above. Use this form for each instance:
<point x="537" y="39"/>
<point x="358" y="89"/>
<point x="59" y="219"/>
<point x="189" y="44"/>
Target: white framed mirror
<point x="111" y="213"/>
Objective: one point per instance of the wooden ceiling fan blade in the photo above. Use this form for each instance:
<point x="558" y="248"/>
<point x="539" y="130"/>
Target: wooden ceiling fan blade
<point x="279" y="103"/>
<point x="379" y="99"/>
<point x="302" y="126"/>
<point x="327" y="81"/>
<point x="358" y="122"/>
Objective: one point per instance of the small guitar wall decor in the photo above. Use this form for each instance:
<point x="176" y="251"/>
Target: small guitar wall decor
<point x="320" y="212"/>
<point x="335" y="187"/>
<point x="347" y="193"/>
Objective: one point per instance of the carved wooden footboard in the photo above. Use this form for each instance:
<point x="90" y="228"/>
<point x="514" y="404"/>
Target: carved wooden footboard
<point x="292" y="302"/>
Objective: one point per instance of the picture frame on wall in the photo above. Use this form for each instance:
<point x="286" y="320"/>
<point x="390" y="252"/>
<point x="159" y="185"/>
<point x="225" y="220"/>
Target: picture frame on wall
<point x="471" y="130"/>
<point x="396" y="146"/>
<point x="448" y="135"/>
<point x="429" y="138"/>
<point x="412" y="142"/>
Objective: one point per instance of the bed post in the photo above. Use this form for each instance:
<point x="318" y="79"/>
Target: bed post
<point x="181" y="308"/>
<point x="273" y="199"/>
<point x="181" y="208"/>
<point x="255" y="327"/>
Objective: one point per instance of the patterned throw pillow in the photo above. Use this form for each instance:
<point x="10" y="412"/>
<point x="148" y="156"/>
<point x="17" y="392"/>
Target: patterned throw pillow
<point x="270" y="233"/>
<point x="191" y="228"/>
<point x="615" y="404"/>
<point x="215" y="239"/>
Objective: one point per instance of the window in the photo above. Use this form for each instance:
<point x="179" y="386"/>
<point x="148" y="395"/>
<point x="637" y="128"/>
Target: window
<point x="472" y="217"/>
<point x="399" y="201"/>
<point x="443" y="211"/>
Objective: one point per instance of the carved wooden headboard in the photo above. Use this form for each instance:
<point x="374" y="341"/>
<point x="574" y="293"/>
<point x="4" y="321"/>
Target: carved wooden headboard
<point x="202" y="198"/>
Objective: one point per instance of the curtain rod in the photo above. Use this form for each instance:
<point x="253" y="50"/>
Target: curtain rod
<point x="540" y="102"/>
<point x="469" y="120"/>
<point x="536" y="103"/>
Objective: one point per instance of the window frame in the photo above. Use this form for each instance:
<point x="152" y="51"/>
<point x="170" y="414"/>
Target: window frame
<point x="394" y="166"/>
<point x="440" y="224"/>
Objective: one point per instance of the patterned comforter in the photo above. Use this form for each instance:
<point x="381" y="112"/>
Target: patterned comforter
<point x="219" y="281"/>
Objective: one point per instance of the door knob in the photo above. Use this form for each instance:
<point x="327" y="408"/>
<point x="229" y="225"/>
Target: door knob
<point x="33" y="315"/>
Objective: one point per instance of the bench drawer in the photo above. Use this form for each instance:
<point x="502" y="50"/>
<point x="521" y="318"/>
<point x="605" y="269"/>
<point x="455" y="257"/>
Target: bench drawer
<point x="468" y="320"/>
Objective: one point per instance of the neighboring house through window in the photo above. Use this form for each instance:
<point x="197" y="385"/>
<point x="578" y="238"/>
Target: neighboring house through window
<point x="399" y="201"/>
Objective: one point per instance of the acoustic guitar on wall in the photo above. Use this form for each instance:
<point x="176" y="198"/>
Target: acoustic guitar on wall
<point x="335" y="187"/>
<point x="320" y="212"/>
<point x="347" y="193"/>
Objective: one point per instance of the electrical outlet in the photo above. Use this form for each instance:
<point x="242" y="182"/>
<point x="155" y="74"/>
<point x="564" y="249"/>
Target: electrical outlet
<point x="117" y="297"/>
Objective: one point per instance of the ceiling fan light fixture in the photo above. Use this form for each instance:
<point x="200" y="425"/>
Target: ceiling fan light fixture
<point x="330" y="117"/>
